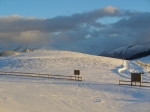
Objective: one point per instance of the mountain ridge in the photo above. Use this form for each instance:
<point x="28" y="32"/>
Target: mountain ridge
<point x="129" y="52"/>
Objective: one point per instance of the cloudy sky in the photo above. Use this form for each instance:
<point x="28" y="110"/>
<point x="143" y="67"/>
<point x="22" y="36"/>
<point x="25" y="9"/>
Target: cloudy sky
<point x="74" y="25"/>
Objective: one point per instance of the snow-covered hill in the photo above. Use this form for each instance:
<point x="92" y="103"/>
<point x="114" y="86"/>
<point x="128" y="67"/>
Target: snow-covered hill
<point x="145" y="59"/>
<point x="98" y="92"/>
<point x="126" y="52"/>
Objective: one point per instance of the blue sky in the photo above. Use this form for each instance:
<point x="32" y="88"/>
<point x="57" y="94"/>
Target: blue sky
<point x="52" y="8"/>
<point x="75" y="25"/>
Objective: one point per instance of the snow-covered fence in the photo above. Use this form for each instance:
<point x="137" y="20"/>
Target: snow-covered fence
<point x="42" y="75"/>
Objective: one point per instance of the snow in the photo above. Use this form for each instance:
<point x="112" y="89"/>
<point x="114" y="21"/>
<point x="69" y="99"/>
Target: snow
<point x="145" y="59"/>
<point x="98" y="92"/>
<point x="126" y="51"/>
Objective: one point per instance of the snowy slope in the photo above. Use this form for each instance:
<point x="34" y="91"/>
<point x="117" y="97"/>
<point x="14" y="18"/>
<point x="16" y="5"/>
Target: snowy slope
<point x="99" y="92"/>
<point x="145" y="59"/>
<point x="125" y="52"/>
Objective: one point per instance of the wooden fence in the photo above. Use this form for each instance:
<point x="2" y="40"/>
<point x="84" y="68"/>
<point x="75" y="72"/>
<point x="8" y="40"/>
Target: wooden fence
<point x="75" y="78"/>
<point x="135" y="77"/>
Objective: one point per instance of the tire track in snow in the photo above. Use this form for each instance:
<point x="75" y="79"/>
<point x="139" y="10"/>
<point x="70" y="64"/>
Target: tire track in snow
<point x="124" y="70"/>
<point x="128" y="68"/>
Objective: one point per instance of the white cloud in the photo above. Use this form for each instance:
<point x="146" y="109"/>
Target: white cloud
<point x="111" y="9"/>
<point x="64" y="31"/>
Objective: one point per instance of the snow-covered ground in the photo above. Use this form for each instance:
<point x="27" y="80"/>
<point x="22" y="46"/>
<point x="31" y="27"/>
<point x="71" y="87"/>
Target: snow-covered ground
<point x="99" y="92"/>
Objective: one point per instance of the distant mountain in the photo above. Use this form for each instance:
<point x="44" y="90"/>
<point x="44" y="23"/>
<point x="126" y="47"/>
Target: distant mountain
<point x="140" y="55"/>
<point x="14" y="51"/>
<point x="129" y="52"/>
<point x="7" y="53"/>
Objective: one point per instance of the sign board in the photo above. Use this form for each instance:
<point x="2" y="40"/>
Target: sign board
<point x="76" y="72"/>
<point x="136" y="77"/>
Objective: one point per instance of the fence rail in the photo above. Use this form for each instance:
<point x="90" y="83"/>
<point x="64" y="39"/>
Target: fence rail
<point x="75" y="78"/>
<point x="132" y="85"/>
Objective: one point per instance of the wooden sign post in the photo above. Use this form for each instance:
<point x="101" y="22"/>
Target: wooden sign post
<point x="76" y="73"/>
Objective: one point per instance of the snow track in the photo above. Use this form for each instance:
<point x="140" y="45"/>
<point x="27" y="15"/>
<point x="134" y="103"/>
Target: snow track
<point x="123" y="71"/>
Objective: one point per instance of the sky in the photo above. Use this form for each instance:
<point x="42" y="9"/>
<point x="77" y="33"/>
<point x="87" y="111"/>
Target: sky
<point x="76" y="25"/>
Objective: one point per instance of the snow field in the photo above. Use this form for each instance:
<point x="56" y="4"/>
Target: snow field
<point x="98" y="92"/>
